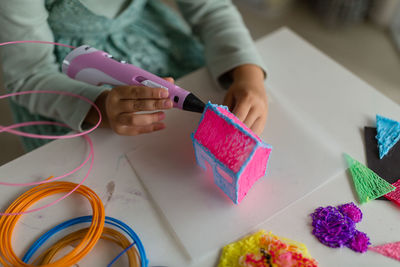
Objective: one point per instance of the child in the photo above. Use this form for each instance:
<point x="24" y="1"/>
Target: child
<point x="145" y="33"/>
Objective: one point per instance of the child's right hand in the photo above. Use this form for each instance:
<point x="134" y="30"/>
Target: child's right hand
<point x="123" y="103"/>
<point x="120" y="107"/>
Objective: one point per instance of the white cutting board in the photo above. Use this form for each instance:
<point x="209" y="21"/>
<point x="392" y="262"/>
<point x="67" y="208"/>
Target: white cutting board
<point x="196" y="212"/>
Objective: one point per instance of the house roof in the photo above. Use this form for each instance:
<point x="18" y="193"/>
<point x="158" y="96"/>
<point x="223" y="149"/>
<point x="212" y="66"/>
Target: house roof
<point x="226" y="137"/>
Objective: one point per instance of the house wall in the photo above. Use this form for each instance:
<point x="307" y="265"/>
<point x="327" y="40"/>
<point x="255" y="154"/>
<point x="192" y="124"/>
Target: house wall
<point x="254" y="170"/>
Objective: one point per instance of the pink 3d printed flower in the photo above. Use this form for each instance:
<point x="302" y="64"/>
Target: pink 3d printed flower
<point x="237" y="156"/>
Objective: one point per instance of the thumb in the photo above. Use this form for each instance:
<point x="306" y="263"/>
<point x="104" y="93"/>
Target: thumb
<point x="169" y="79"/>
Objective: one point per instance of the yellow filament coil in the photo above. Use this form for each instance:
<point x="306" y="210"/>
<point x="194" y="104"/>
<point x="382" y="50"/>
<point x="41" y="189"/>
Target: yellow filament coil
<point x="109" y="234"/>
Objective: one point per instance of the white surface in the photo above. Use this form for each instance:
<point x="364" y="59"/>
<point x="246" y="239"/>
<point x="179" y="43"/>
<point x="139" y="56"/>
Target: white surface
<point x="191" y="202"/>
<point x="306" y="87"/>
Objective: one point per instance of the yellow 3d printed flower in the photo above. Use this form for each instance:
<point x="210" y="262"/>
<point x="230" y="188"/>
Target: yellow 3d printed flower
<point x="266" y="250"/>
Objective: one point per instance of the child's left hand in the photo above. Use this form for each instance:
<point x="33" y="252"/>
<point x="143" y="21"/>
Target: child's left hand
<point x="247" y="98"/>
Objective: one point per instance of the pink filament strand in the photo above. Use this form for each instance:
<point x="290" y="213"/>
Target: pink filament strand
<point x="36" y="42"/>
<point x="9" y="129"/>
<point x="30" y="135"/>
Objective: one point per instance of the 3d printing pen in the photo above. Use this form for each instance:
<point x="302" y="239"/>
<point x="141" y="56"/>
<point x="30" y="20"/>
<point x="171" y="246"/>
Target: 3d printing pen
<point x="97" y="67"/>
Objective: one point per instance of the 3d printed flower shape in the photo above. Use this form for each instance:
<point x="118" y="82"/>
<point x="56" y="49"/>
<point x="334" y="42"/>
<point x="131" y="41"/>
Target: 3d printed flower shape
<point x="352" y="211"/>
<point x="286" y="259"/>
<point x="266" y="250"/>
<point x="360" y="242"/>
<point x="335" y="227"/>
<point x="332" y="228"/>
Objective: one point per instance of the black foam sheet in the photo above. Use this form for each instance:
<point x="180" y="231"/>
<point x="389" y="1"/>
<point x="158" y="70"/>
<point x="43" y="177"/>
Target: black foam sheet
<point x="389" y="167"/>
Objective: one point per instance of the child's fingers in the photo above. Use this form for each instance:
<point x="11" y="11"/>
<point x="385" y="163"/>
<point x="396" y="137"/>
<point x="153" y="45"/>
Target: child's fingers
<point x="132" y="119"/>
<point x="140" y="92"/>
<point x="228" y="101"/>
<point x="132" y="131"/>
<point x="144" y="105"/>
<point x="241" y="110"/>
<point x="151" y="128"/>
<point x="251" y="117"/>
<point x="258" y="125"/>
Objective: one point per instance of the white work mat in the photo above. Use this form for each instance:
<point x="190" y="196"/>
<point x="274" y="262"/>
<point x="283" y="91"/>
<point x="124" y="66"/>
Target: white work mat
<point x="196" y="212"/>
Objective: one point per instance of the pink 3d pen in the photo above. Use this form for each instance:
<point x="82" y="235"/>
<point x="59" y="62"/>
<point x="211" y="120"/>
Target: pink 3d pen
<point x="97" y="67"/>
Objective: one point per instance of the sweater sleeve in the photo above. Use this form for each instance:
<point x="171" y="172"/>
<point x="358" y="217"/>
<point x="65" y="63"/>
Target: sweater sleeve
<point x="33" y="66"/>
<point x="227" y="41"/>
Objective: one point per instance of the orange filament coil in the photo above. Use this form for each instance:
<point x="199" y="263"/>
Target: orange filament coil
<point x="109" y="234"/>
<point x="89" y="237"/>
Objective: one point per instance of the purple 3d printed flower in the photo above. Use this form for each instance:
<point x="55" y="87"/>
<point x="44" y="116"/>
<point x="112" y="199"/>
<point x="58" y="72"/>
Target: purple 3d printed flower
<point x="331" y="227"/>
<point x="360" y="242"/>
<point x="352" y="211"/>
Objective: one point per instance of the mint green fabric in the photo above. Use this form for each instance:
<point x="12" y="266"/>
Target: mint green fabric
<point x="146" y="33"/>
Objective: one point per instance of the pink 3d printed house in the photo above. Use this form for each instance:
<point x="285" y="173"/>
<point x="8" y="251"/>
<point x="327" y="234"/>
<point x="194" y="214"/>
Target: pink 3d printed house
<point x="237" y="156"/>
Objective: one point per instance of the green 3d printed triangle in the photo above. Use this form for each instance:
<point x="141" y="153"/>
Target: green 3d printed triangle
<point x="368" y="184"/>
<point x="388" y="134"/>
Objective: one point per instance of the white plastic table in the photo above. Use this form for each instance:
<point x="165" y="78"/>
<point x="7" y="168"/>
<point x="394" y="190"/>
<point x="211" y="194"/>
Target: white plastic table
<point x="318" y="111"/>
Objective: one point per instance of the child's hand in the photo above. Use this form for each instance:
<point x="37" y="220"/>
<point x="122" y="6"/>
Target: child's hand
<point x="247" y="98"/>
<point x="120" y="106"/>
